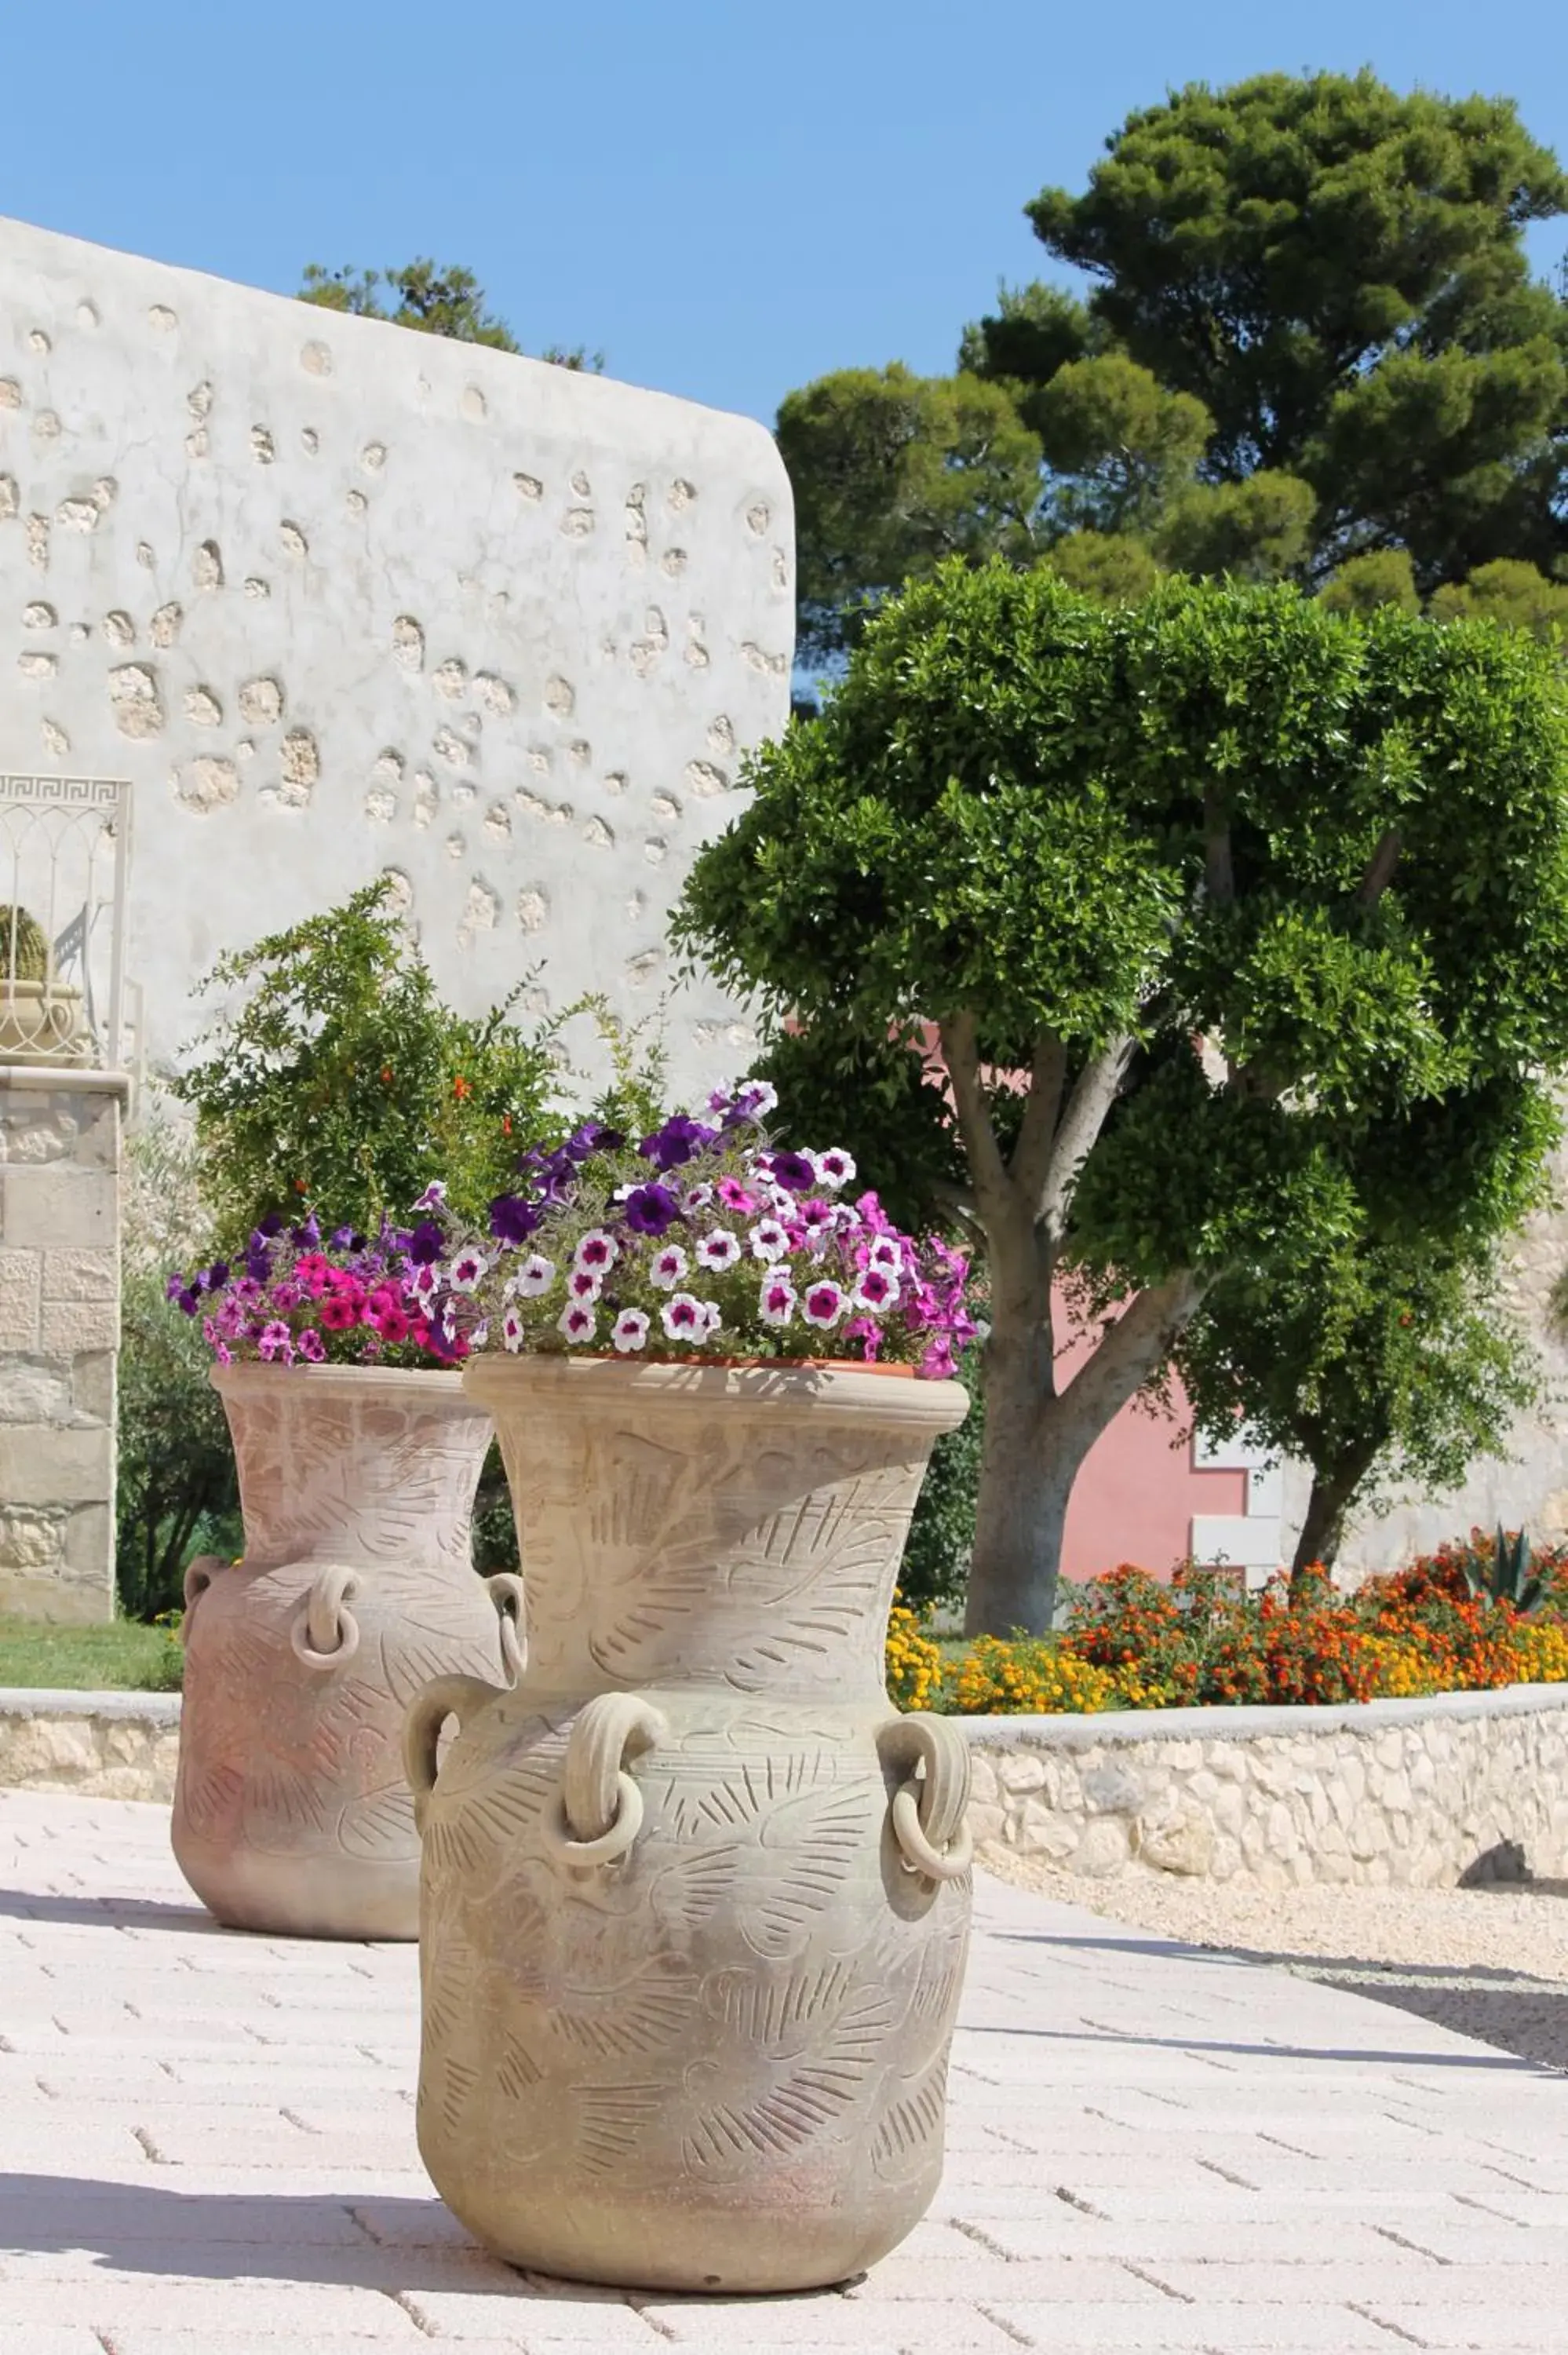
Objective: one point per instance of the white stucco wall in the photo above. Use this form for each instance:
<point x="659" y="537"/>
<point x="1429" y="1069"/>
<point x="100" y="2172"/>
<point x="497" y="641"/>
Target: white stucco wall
<point x="339" y="598"/>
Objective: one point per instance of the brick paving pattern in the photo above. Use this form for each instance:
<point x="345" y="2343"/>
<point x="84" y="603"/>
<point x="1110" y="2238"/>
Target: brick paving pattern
<point x="208" y="2149"/>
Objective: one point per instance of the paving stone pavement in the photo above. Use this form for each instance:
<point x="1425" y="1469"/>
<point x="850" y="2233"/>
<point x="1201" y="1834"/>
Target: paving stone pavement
<point x="208" y="2149"/>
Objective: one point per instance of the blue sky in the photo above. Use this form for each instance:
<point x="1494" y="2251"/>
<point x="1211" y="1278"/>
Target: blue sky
<point x="729" y="198"/>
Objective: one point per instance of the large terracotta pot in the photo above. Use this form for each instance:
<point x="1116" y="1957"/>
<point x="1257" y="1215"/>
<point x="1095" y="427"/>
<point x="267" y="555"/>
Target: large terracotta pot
<point x="292" y="1812"/>
<point x="695" y="1898"/>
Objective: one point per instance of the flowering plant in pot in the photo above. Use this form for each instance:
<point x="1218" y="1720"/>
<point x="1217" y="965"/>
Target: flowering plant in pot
<point x="700" y="1240"/>
<point x="694" y="1880"/>
<point x="358" y="1457"/>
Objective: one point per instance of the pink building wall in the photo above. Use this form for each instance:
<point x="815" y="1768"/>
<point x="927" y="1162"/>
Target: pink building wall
<point x="1137" y="1494"/>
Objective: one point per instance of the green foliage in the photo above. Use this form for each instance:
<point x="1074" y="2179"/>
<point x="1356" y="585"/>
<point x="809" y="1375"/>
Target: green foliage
<point x="176" y="1494"/>
<point x="893" y="473"/>
<point x="941" y="1536"/>
<point x="338" y="1082"/>
<point x="24" y="949"/>
<point x="1257" y="530"/>
<point x="1384" y="576"/>
<point x="1507" y="1574"/>
<point x="1514" y="593"/>
<point x="1034" y="331"/>
<point x="1117" y="442"/>
<point x="1111" y="567"/>
<point x="1270" y="248"/>
<point x="438" y="299"/>
<point x="1084" y="838"/>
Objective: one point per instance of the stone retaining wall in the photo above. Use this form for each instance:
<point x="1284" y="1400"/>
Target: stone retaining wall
<point x="98" y="1745"/>
<point x="1461" y="1788"/>
<point x="1466" y="1786"/>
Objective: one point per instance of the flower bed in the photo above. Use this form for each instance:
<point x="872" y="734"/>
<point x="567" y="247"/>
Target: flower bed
<point x="1469" y="1618"/>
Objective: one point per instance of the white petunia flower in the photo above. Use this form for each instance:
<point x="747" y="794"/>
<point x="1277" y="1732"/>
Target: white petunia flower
<point x="631" y="1331"/>
<point x="666" y="1267"/>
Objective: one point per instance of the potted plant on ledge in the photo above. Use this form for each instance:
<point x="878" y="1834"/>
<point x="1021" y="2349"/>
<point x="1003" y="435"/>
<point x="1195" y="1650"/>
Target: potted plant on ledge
<point x="340" y="1084"/>
<point x="695" y="1898"/>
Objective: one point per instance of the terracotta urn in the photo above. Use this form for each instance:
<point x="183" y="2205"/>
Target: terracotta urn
<point x="292" y="1812"/>
<point x="695" y="1898"/>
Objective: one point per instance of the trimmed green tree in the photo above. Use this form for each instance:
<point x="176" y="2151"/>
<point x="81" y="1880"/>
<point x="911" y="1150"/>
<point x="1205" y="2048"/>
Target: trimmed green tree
<point x="1190" y="888"/>
<point x="1384" y="1355"/>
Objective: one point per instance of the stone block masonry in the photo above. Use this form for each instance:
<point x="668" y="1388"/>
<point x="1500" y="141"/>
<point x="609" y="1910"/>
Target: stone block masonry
<point x="343" y="600"/>
<point x="1461" y="1788"/>
<point x="59" y="1330"/>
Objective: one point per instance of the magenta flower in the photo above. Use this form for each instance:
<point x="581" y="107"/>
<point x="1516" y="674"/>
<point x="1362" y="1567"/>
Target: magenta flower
<point x="835" y="1168"/>
<point x="667" y="1267"/>
<point x="825" y="1304"/>
<point x="337" y="1314"/>
<point x="311" y="1346"/>
<point x="275" y="1340"/>
<point x="630" y="1332"/>
<point x="683" y="1317"/>
<point x="776" y="1301"/>
<point x="876" y="1291"/>
<point x="733" y="1196"/>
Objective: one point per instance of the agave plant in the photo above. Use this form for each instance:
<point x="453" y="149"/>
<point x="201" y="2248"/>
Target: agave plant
<point x="1509" y="1575"/>
<point x="24" y="948"/>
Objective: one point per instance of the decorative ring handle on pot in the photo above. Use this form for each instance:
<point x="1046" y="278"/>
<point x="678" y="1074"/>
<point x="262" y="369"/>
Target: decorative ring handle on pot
<point x="505" y="1590"/>
<point x="323" y="1632"/>
<point x="599" y="1812"/>
<point x="930" y="1821"/>
<point x="198" y="1577"/>
<point x="447" y="1696"/>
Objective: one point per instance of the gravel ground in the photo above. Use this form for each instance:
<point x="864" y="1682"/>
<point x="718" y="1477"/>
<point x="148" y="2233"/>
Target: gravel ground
<point x="1490" y="1963"/>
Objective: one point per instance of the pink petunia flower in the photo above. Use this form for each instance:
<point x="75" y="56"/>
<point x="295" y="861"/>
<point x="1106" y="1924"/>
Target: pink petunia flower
<point x="825" y="1304"/>
<point x="631" y="1331"/>
<point x="775" y="1302"/>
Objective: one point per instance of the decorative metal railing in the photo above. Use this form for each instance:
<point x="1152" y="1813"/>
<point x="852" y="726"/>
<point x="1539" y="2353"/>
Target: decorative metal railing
<point x="65" y="847"/>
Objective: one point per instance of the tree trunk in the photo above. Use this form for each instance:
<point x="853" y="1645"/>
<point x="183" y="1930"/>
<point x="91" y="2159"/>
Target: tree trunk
<point x="1036" y="1439"/>
<point x="1021" y="1509"/>
<point x="1327" y="1510"/>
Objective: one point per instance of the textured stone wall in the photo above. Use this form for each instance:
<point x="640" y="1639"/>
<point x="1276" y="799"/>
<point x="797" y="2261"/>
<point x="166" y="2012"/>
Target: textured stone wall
<point x="60" y="1328"/>
<point x="99" y="1745"/>
<point x="341" y="599"/>
<point x="1430" y="1793"/>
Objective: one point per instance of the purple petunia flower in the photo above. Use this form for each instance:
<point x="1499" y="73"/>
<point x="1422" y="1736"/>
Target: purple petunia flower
<point x="311" y="1346"/>
<point x="512" y="1219"/>
<point x="679" y="1141"/>
<point x="652" y="1210"/>
<point x="794" y="1172"/>
<point x="426" y="1244"/>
